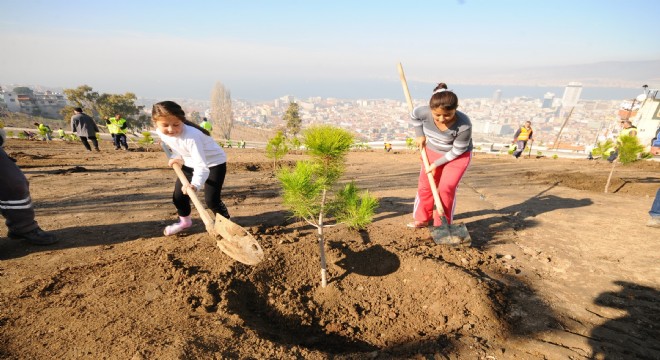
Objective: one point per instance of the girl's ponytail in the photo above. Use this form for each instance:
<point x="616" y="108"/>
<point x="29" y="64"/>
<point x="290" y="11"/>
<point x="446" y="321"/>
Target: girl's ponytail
<point x="190" y="123"/>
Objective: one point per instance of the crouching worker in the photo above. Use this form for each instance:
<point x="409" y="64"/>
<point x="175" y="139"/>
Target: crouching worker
<point x="16" y="204"/>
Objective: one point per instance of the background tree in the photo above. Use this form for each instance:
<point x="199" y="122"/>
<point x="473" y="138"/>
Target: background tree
<point x="143" y="121"/>
<point x="307" y="187"/>
<point x="276" y="148"/>
<point x="23" y="90"/>
<point x="292" y="119"/>
<point x="83" y="96"/>
<point x="221" y="113"/>
<point x="195" y="117"/>
<point x="100" y="106"/>
<point x="109" y="105"/>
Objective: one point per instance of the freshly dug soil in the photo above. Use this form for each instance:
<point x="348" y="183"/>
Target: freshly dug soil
<point x="558" y="269"/>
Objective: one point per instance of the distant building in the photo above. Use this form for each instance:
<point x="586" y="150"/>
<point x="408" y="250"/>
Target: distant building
<point x="548" y="99"/>
<point x="647" y="118"/>
<point x="46" y="104"/>
<point x="10" y="100"/>
<point x="572" y="94"/>
<point x="497" y="96"/>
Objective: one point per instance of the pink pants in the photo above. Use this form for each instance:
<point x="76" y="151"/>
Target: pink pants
<point x="446" y="177"/>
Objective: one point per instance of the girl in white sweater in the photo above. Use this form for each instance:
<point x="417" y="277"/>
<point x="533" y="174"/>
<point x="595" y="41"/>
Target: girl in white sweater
<point x="201" y="158"/>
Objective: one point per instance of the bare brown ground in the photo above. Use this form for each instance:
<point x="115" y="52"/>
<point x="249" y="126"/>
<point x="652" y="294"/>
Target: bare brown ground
<point x="558" y="269"/>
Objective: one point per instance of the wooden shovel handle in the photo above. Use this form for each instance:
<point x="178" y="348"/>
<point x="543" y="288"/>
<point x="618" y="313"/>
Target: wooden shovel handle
<point x="434" y="189"/>
<point x="208" y="221"/>
<point x="206" y="218"/>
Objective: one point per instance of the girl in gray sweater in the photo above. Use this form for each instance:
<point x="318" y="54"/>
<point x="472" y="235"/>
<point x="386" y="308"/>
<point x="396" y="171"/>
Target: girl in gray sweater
<point x="446" y="136"/>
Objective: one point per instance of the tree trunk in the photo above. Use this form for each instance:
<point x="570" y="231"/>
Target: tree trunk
<point x="221" y="112"/>
<point x="324" y="269"/>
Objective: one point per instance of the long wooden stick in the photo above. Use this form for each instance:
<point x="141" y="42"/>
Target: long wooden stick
<point x="434" y="189"/>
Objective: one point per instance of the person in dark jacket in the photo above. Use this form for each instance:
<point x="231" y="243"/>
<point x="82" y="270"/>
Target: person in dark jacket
<point x="16" y="203"/>
<point x="85" y="127"/>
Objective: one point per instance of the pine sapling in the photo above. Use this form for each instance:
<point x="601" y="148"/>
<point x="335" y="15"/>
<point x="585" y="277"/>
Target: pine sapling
<point x="276" y="148"/>
<point x="629" y="150"/>
<point x="310" y="189"/>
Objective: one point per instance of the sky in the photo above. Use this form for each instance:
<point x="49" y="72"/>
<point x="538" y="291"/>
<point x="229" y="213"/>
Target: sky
<point x="260" y="49"/>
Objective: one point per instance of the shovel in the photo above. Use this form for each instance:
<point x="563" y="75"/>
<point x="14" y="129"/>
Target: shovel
<point x="232" y="239"/>
<point x="447" y="234"/>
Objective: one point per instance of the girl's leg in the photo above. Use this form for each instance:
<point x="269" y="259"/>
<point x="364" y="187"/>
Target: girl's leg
<point x="451" y="175"/>
<point x="447" y="177"/>
<point x="180" y="200"/>
<point x="213" y="190"/>
<point x="424" y="204"/>
<point x="182" y="203"/>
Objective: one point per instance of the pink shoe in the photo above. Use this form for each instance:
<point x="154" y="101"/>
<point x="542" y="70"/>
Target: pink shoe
<point x="184" y="223"/>
<point x="418" y="224"/>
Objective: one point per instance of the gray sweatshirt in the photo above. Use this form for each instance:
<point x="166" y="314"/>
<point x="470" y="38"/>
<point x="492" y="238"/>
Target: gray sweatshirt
<point x="452" y="143"/>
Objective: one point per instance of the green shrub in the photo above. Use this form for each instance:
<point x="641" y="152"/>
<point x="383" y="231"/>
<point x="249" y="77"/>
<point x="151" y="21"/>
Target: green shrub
<point x="146" y="139"/>
<point x="410" y="144"/>
<point x="629" y="149"/>
<point x="603" y="148"/>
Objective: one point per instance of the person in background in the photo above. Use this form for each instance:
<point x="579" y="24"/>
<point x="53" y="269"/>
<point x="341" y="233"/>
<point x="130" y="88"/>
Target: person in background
<point x="206" y="125"/>
<point x="83" y="125"/>
<point x="119" y="126"/>
<point x="203" y="162"/>
<point x="16" y="202"/>
<point x="627" y="130"/>
<point x="388" y="147"/>
<point x="60" y="133"/>
<point x="655" y="143"/>
<point x="520" y="138"/>
<point x="446" y="136"/>
<point x="654" y="221"/>
<point x="44" y="131"/>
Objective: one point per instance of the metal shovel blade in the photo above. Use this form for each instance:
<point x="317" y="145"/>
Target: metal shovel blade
<point x="236" y="242"/>
<point x="451" y="234"/>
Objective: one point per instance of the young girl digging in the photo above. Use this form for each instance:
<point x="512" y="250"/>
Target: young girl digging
<point x="203" y="162"/>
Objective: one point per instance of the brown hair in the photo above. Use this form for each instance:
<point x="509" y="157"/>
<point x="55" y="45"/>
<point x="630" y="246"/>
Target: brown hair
<point x="166" y="108"/>
<point x="443" y="98"/>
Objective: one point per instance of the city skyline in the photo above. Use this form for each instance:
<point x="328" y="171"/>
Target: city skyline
<point x="261" y="50"/>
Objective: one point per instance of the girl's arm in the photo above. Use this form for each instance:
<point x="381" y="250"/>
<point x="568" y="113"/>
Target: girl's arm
<point x="459" y="146"/>
<point x="416" y="119"/>
<point x="200" y="168"/>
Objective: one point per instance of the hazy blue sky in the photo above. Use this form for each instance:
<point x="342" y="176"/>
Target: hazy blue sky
<point x="179" y="49"/>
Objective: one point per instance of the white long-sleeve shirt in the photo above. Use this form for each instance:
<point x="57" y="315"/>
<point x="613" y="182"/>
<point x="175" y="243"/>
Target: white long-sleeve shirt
<point x="198" y="151"/>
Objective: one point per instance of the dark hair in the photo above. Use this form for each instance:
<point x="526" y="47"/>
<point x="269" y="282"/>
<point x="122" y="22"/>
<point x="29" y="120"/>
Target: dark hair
<point x="446" y="99"/>
<point x="77" y="109"/>
<point x="165" y="108"/>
